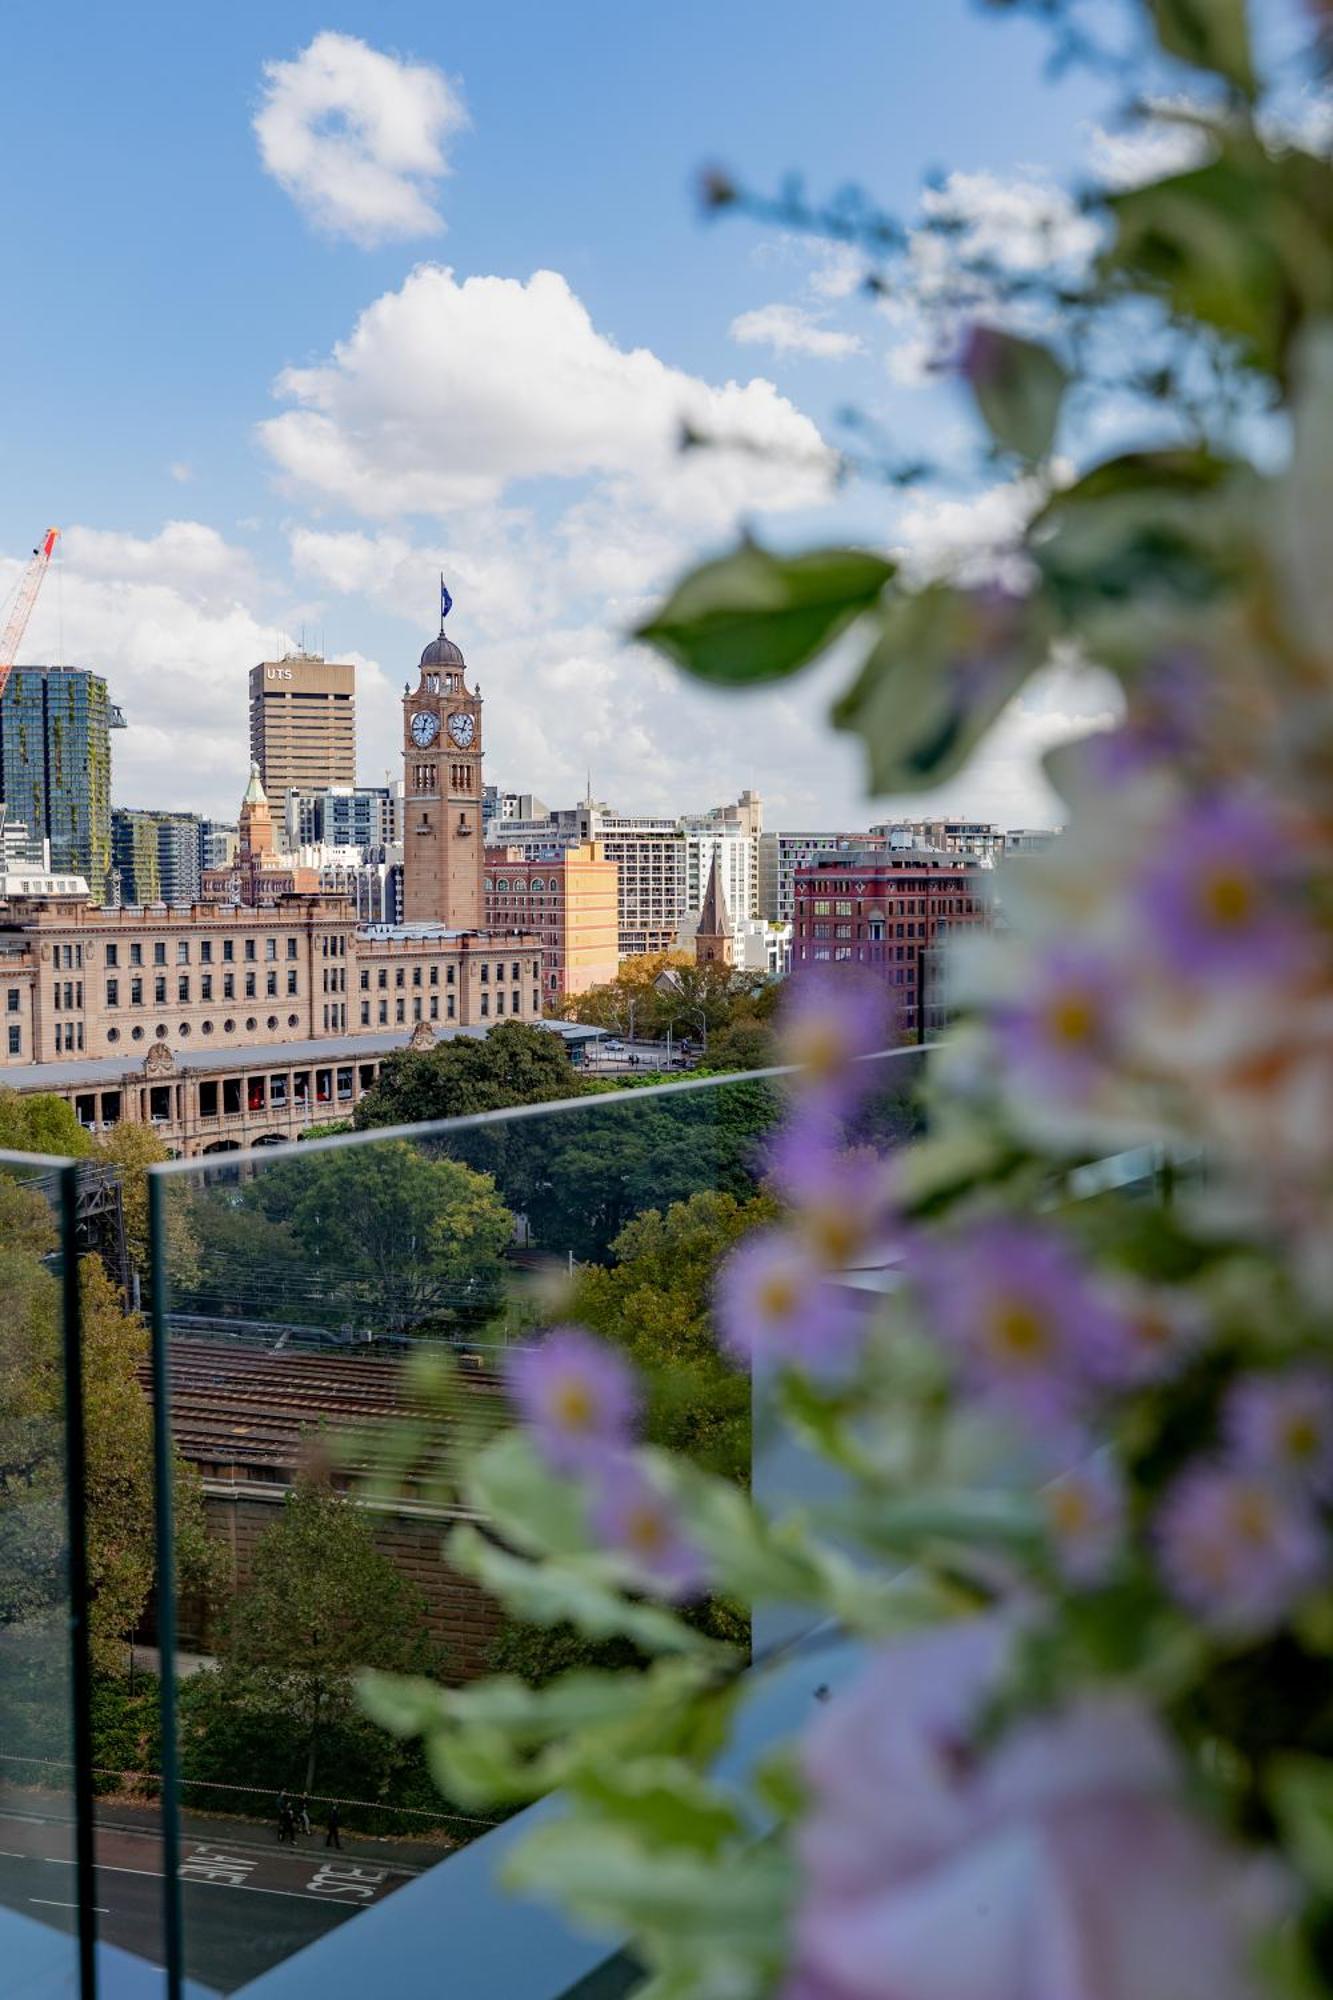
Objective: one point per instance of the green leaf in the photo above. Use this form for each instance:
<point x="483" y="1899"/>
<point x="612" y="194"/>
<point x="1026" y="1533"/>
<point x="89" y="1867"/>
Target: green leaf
<point x="581" y="1591"/>
<point x="1301" y="1792"/>
<point x="1143" y="528"/>
<point x="1210" y="34"/>
<point x="661" y="1800"/>
<point x="944" y="666"/>
<point x="752" y="617"/>
<point x="616" y="1881"/>
<point x="1240" y="244"/>
<point x="508" y="1486"/>
<point x="1019" y="386"/>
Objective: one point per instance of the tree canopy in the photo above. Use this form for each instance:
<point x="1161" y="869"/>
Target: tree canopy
<point x="320" y="1605"/>
<point x="515" y="1063"/>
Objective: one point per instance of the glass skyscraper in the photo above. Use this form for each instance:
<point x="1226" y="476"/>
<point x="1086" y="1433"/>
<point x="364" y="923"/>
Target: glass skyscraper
<point x="55" y="766"/>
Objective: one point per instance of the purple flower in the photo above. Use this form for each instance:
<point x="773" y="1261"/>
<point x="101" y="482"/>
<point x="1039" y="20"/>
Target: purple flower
<point x="1085" y="1518"/>
<point x="1237" y="1549"/>
<point x="576" y="1394"/>
<point x="1218" y="899"/>
<point x="1017" y="1305"/>
<point x="830" y="1022"/>
<point x="1062" y="1864"/>
<point x="842" y="1200"/>
<point x="1063" y="1034"/>
<point x="1282" y="1425"/>
<point x="1153" y="1334"/>
<point x="1162" y="725"/>
<point x="774" y="1303"/>
<point x="629" y="1514"/>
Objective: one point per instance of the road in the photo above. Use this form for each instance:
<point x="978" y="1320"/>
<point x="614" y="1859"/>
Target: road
<point x="247" y="1902"/>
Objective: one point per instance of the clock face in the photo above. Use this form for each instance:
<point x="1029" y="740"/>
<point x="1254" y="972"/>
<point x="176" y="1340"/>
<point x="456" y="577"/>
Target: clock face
<point x="462" y="728"/>
<point x="425" y="728"/>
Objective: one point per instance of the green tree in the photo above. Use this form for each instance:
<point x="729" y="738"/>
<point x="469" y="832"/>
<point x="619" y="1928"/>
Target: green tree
<point x="118" y="1442"/>
<point x="130" y="1150"/>
<point x="320" y="1604"/>
<point x="514" y="1064"/>
<point x="388" y="1233"/>
<point x="41" y="1123"/>
<point x="654" y="1301"/>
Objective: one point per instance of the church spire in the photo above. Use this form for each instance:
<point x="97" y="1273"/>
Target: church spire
<point x="713" y="940"/>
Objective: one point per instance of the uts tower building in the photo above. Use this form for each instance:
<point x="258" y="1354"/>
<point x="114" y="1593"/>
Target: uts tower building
<point x="302" y="726"/>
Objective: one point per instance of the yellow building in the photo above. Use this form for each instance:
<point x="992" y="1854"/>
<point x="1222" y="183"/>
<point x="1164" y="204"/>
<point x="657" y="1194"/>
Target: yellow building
<point x="569" y="897"/>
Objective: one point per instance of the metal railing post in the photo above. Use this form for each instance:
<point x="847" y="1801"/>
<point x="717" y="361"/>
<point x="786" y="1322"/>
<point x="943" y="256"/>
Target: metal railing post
<point x="163" y="1512"/>
<point x="76" y="1504"/>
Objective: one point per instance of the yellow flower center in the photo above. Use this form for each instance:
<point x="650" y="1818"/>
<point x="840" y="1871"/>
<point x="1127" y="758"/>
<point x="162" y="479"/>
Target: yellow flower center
<point x="1069" y="1509"/>
<point x="1252" y="1516"/>
<point x="777" y="1296"/>
<point x="834" y="1234"/>
<point x="1228" y="897"/>
<point x="573" y="1404"/>
<point x="818" y="1047"/>
<point x="1072" y="1018"/>
<point x="1017" y="1332"/>
<point x="1301" y="1438"/>
<point x="645" y="1530"/>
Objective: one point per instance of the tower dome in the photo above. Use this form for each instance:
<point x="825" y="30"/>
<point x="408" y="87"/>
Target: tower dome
<point x="442" y="652"/>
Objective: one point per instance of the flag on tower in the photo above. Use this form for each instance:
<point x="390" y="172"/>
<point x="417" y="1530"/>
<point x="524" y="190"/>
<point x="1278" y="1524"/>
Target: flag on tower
<point x="446" y="602"/>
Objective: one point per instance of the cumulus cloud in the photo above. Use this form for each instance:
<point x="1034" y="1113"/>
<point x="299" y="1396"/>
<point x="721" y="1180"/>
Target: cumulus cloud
<point x="174" y="621"/>
<point x="181" y="471"/>
<point x="447" y="392"/>
<point x="359" y="138"/>
<point x="789" y="329"/>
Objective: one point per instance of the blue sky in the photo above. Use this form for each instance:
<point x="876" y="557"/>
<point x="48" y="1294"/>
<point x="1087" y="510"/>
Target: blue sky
<point x="161" y="281"/>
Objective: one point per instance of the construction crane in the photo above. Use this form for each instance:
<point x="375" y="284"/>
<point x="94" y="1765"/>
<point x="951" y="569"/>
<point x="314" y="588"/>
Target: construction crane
<point x="17" y="624"/>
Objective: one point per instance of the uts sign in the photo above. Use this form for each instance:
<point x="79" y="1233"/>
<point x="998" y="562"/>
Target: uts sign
<point x="277" y="673"/>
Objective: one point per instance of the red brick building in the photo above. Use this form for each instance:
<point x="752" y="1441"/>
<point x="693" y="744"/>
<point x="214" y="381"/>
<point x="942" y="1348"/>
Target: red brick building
<point x="887" y="909"/>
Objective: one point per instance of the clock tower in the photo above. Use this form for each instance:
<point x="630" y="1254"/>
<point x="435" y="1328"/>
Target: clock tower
<point x="442" y="804"/>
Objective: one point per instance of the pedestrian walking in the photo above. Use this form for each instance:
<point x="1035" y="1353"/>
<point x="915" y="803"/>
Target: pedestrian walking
<point x="303" y="1815"/>
<point x="286" y="1822"/>
<point x="333" y="1838"/>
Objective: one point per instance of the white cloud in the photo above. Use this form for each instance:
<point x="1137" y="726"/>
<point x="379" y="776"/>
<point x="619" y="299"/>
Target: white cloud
<point x="446" y="393"/>
<point x="789" y="329"/>
<point x="971" y="539"/>
<point x="358" y="138"/>
<point x="184" y="555"/>
<point x="181" y="472"/>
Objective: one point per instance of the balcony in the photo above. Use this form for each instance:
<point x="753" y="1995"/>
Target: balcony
<point x="294" y="1292"/>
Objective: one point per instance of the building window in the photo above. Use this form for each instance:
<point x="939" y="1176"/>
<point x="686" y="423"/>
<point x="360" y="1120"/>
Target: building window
<point x="249" y="985"/>
<point x="449" y="977"/>
<point x="159" y="953"/>
<point x="485" y="975"/>
<point x="435" y="975"/>
<point x="136" y="954"/>
<point x="270" y="948"/>
<point x="292" y="1020"/>
<point x="113" y="954"/>
<point x="400" y="976"/>
<point x="514" y="970"/>
<point x="485" y="1005"/>
<point x="206" y="951"/>
<point x="228" y="954"/>
<point x="251" y="949"/>
<point x="206" y="986"/>
<point x="291" y="983"/>
<point x="136" y="993"/>
<point x="291" y="947"/>
<point x="229" y="985"/>
<point x="183" y="991"/>
<point x="384" y="1013"/>
<point x="160" y="988"/>
<point x="400" y="1011"/>
<point x="499" y="1003"/>
<point x="271" y="1023"/>
<point x="365" y="980"/>
<point x="112" y="994"/>
<point x="271" y="985"/>
<point x="250" y="1024"/>
<point x="15" y="1041"/>
<point x="434" y="1006"/>
<point x="365" y="1013"/>
<point x="136" y="1034"/>
<point x="183" y="951"/>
